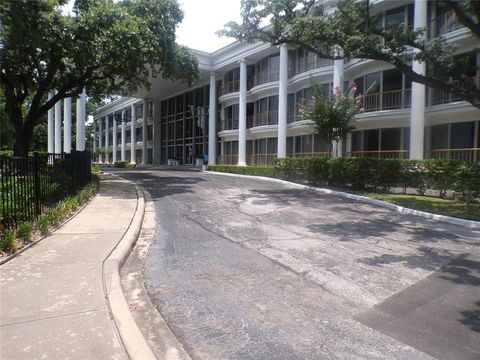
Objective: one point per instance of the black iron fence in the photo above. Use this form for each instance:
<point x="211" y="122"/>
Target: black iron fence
<point x="31" y="185"/>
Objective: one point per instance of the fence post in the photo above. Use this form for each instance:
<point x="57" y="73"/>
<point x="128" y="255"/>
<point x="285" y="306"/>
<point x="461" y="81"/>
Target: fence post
<point x="36" y="179"/>
<point x="72" y="160"/>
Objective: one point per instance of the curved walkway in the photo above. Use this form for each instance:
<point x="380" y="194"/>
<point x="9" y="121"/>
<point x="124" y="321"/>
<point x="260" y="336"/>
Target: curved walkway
<point x="52" y="295"/>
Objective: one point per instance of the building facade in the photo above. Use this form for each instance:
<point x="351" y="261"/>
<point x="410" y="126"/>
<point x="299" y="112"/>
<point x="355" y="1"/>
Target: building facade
<point x="256" y="91"/>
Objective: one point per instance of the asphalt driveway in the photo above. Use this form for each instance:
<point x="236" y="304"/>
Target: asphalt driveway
<point x="250" y="269"/>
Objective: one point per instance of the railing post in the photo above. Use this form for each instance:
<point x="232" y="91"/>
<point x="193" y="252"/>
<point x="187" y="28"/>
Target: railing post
<point x="36" y="179"/>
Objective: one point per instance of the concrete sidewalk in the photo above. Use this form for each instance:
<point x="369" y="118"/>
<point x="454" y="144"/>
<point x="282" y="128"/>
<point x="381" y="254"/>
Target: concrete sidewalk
<point x="52" y="296"/>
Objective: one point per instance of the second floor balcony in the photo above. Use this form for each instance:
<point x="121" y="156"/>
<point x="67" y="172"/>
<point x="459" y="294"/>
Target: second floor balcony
<point x="387" y="100"/>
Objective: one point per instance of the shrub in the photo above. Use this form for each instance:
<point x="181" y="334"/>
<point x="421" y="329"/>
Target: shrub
<point x="131" y="166"/>
<point x="95" y="168"/>
<point x="6" y="153"/>
<point x="8" y="241"/>
<point x="25" y="231"/>
<point x="43" y="224"/>
<point x="244" y="170"/>
<point x="121" y="164"/>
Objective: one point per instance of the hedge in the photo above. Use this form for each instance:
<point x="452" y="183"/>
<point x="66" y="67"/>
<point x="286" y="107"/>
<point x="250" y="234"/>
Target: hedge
<point x="244" y="170"/>
<point x="123" y="164"/>
<point x="374" y="174"/>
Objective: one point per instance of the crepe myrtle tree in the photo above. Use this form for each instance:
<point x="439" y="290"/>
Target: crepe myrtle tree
<point x="358" y="31"/>
<point x="104" y="46"/>
<point x="332" y="114"/>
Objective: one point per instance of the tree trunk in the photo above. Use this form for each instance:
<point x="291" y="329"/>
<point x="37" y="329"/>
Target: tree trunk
<point x="23" y="138"/>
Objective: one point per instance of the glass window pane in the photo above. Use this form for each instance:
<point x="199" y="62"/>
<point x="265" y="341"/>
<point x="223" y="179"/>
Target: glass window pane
<point x="462" y="135"/>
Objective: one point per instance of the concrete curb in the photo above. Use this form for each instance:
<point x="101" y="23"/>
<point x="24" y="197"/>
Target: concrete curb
<point x="155" y="329"/>
<point x="448" y="219"/>
<point x="130" y="335"/>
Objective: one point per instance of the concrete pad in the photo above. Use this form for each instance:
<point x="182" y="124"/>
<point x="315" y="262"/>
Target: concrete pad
<point x="38" y="291"/>
<point x="79" y="335"/>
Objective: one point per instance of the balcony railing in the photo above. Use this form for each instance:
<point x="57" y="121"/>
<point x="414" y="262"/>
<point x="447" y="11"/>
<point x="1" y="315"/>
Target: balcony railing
<point x="380" y="154"/>
<point x="228" y="159"/>
<point x="444" y="24"/>
<point x="468" y="154"/>
<point x="265" y="118"/>
<point x="261" y="159"/>
<point x="230" y="87"/>
<point x="443" y="97"/>
<point x="324" y="154"/>
<point x="230" y="124"/>
<point x="387" y="100"/>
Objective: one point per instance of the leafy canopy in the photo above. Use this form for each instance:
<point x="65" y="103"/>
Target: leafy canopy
<point x="105" y="46"/>
<point x="355" y="28"/>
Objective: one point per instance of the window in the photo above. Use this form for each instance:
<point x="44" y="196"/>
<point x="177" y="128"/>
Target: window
<point x="462" y="135"/>
<point x="391" y="139"/>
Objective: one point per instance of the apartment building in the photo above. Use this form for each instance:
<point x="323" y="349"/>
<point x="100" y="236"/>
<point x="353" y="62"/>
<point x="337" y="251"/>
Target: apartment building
<point x="244" y="108"/>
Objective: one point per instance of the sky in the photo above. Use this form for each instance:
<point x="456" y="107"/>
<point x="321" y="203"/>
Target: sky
<point x="202" y="18"/>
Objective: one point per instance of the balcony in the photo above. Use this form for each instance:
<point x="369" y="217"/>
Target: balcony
<point x="468" y="154"/>
<point x="264" y="118"/>
<point x="324" y="154"/>
<point x="230" y="87"/>
<point x="261" y="159"/>
<point x="387" y="100"/>
<point x="228" y="160"/>
<point x="230" y="124"/>
<point x="439" y="97"/>
<point x="444" y="24"/>
<point x="380" y="154"/>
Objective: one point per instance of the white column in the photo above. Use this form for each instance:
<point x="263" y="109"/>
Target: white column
<point x="417" y="114"/>
<point x="212" y="121"/>
<point x="58" y="127"/>
<point x="338" y="70"/>
<point x="282" y="103"/>
<point x="67" y="125"/>
<point x="51" y="128"/>
<point x="132" y="138"/>
<point x="80" y="137"/>
<point x="94" y="137"/>
<point x="157" y="142"/>
<point x="114" y="140"/>
<point x="100" y="139"/>
<point x="122" y="150"/>
<point x="144" y="133"/>
<point x="107" y="130"/>
<point x="242" y="115"/>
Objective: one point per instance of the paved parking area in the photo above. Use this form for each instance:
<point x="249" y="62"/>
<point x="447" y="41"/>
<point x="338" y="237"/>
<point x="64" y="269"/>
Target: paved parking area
<point x="249" y="269"/>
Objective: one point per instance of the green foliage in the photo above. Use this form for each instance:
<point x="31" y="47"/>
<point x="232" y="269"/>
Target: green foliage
<point x="120" y="164"/>
<point x="6" y="153"/>
<point x="381" y="174"/>
<point x="104" y="150"/>
<point x="25" y="231"/>
<point x="244" y="170"/>
<point x="104" y="47"/>
<point x="353" y="30"/>
<point x="8" y="241"/>
<point x="131" y="166"/>
<point x="95" y="168"/>
<point x="43" y="224"/>
<point x="333" y="117"/>
<point x="455" y="208"/>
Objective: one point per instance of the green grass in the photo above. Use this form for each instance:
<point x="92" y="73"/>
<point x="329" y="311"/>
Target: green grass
<point x="454" y="208"/>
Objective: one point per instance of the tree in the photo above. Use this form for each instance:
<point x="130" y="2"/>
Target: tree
<point x="359" y="34"/>
<point x="105" y="47"/>
<point x="333" y="116"/>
